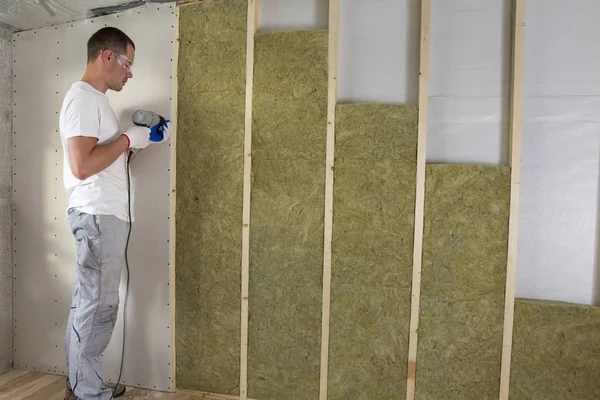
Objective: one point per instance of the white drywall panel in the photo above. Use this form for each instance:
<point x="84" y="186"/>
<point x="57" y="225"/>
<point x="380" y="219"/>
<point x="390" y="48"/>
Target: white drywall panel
<point x="558" y="236"/>
<point x="6" y="326"/>
<point x="6" y="331"/>
<point x="289" y="15"/>
<point x="379" y="51"/>
<point x="5" y="113"/>
<point x="469" y="87"/>
<point x="47" y="62"/>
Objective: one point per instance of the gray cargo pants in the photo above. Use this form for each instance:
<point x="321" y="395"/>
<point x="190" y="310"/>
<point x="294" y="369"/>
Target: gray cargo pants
<point x="101" y="241"/>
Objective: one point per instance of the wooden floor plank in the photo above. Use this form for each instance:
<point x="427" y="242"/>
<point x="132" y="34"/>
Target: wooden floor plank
<point x="37" y="384"/>
<point x="57" y="388"/>
<point x="209" y="396"/>
<point x="58" y="396"/>
<point x="10" y="375"/>
<point x="29" y="385"/>
<point x="136" y="393"/>
<point x="19" y="382"/>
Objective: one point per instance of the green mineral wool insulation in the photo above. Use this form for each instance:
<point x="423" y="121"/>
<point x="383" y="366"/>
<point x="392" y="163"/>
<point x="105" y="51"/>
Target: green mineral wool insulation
<point x="286" y="230"/>
<point x="462" y="282"/>
<point x="210" y="138"/>
<point x="373" y="228"/>
<point x="556" y="351"/>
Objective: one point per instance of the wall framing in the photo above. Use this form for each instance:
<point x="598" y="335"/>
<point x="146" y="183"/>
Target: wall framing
<point x="516" y="121"/>
<point x="253" y="6"/>
<point x="420" y="198"/>
<point x="334" y="19"/>
<point x="516" y="133"/>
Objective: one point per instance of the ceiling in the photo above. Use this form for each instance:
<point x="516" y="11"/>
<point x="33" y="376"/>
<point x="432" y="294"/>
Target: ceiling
<point x="19" y="15"/>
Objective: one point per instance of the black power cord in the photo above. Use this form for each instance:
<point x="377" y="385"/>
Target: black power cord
<point x="129" y="156"/>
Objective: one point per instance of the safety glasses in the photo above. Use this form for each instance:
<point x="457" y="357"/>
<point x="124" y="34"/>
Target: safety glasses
<point x="122" y="60"/>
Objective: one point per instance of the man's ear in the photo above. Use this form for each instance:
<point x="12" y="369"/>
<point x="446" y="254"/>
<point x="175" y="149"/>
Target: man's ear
<point x="106" y="55"/>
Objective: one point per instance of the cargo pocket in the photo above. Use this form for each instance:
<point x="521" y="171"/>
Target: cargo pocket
<point x="87" y="235"/>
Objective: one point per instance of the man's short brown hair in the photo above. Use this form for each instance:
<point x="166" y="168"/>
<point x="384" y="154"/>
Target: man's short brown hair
<point x="108" y="38"/>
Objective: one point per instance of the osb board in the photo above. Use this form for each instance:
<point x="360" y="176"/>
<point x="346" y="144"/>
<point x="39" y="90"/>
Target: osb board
<point x="556" y="351"/>
<point x="462" y="282"/>
<point x="373" y="226"/>
<point x="210" y="138"/>
<point x="287" y="206"/>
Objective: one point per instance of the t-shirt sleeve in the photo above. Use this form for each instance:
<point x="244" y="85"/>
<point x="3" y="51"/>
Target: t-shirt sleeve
<point x="82" y="117"/>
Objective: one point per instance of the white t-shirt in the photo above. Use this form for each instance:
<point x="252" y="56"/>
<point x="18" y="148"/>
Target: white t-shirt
<point x="87" y="112"/>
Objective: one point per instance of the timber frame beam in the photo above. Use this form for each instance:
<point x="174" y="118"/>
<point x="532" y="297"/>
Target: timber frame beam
<point x="252" y="28"/>
<point x="334" y="19"/>
<point x="420" y="199"/>
<point x="516" y="133"/>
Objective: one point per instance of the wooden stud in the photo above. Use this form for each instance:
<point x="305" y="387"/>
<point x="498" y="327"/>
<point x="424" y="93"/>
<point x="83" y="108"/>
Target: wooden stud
<point x="334" y="20"/>
<point x="174" y="198"/>
<point x="420" y="199"/>
<point x="252" y="26"/>
<point x="516" y="134"/>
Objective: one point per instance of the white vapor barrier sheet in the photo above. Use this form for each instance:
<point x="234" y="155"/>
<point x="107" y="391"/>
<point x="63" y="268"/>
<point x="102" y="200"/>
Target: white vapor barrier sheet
<point x="558" y="222"/>
<point x="469" y="82"/>
<point x="47" y="62"/>
<point x="379" y="51"/>
<point x="291" y="15"/>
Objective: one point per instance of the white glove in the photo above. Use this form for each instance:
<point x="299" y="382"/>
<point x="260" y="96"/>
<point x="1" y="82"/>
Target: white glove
<point x="138" y="136"/>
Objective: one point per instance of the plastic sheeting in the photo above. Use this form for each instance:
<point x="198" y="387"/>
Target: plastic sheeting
<point x="469" y="82"/>
<point x="287" y="15"/>
<point x="561" y="151"/>
<point x="379" y="51"/>
<point x="32" y="14"/>
<point x="28" y="14"/>
<point x="6" y="332"/>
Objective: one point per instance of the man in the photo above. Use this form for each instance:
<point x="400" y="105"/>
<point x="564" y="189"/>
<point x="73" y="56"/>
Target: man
<point x="95" y="176"/>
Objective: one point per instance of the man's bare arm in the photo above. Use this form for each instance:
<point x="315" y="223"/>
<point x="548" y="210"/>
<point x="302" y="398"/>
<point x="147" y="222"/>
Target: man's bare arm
<point x="87" y="158"/>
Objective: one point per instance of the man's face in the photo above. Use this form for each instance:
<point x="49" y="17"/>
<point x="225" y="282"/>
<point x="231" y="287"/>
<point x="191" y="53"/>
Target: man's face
<point x="120" y="69"/>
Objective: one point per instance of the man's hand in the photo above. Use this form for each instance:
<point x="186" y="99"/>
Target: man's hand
<point x="138" y="137"/>
<point x="87" y="158"/>
<point x="161" y="132"/>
